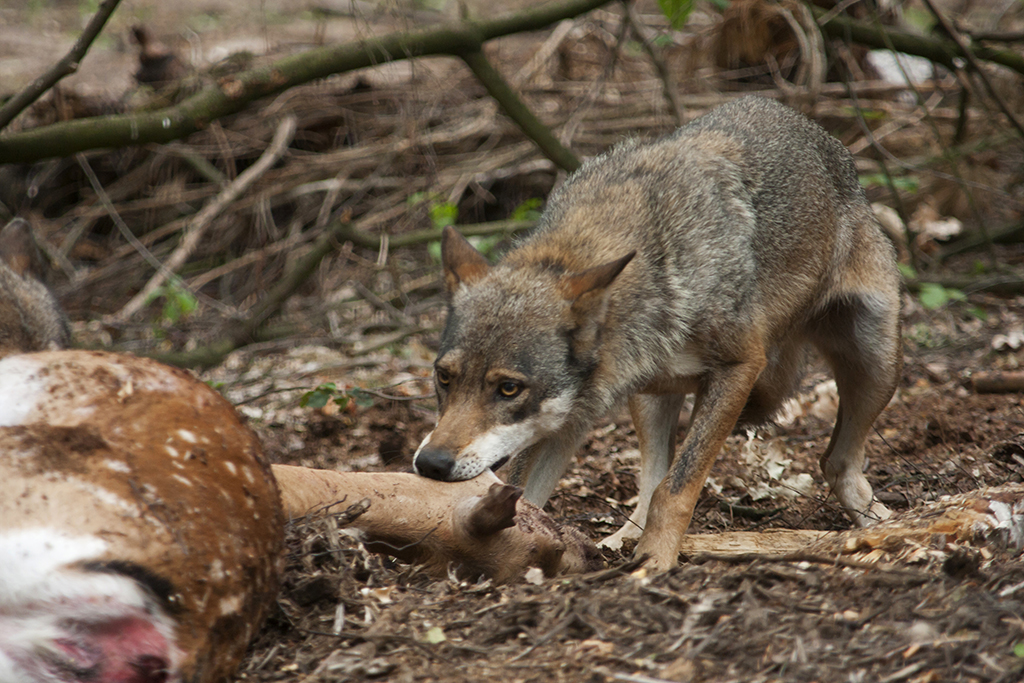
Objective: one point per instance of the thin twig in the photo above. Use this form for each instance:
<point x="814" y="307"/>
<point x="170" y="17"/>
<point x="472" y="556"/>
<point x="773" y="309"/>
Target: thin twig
<point x="955" y="36"/>
<point x="66" y="66"/>
<point x="838" y="561"/>
<point x="362" y="238"/>
<point x="527" y="121"/>
<point x="205" y="217"/>
<point x="248" y="330"/>
<point x="543" y="54"/>
<point x="573" y="124"/>
<point x="667" y="85"/>
<point x="398" y="316"/>
<point x="128" y="235"/>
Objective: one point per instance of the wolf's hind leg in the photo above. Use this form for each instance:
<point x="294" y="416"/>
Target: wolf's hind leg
<point x="656" y="418"/>
<point x="859" y="336"/>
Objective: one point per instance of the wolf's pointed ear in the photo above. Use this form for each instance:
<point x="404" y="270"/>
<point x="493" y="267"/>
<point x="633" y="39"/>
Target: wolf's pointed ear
<point x="586" y="288"/>
<point x="462" y="263"/>
<point x="589" y="304"/>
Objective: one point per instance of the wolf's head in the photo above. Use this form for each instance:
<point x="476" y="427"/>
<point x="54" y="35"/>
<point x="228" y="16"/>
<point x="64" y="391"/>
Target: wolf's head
<point x="519" y="344"/>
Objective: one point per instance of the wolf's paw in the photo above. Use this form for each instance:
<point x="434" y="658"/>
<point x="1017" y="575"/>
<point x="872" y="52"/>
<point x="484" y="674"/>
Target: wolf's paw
<point x="875" y="514"/>
<point x="660" y="556"/>
<point x="662" y="562"/>
<point x="614" y="542"/>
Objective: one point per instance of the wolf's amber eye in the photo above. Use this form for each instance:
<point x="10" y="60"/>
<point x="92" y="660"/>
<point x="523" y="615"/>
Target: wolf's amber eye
<point x="509" y="388"/>
<point x="443" y="377"/>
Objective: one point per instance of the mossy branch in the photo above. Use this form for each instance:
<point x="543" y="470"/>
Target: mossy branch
<point x="938" y="50"/>
<point x="234" y="93"/>
<point x="502" y="92"/>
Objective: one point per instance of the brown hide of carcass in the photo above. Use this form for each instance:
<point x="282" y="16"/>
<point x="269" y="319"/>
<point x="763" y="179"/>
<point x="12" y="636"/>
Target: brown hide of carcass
<point x="480" y="527"/>
<point x="159" y="467"/>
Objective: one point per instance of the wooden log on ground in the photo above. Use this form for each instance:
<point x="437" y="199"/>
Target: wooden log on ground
<point x="983" y="518"/>
<point x="1006" y="382"/>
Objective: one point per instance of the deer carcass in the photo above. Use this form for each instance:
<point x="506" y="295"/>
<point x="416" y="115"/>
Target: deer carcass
<point x="141" y="529"/>
<point x="480" y="527"/>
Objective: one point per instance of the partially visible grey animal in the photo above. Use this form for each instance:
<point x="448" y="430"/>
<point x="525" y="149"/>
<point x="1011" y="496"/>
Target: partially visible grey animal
<point x="30" y="317"/>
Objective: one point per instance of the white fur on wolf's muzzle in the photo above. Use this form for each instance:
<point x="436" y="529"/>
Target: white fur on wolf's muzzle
<point x="502" y="442"/>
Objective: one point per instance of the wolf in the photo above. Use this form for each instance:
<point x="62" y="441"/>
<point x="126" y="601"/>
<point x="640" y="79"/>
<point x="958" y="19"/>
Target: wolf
<point x="703" y="263"/>
<point x="30" y="317"/>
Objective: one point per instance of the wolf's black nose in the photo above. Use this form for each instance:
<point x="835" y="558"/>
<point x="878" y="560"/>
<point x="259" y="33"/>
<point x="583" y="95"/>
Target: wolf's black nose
<point x="434" y="463"/>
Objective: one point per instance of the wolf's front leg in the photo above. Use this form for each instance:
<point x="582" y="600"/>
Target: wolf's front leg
<point x="719" y="402"/>
<point x="655" y="418"/>
<point x="538" y="468"/>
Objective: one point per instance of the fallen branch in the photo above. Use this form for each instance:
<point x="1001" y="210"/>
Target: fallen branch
<point x="503" y="94"/>
<point x="954" y="35"/>
<point x="1008" y="382"/>
<point x="944" y="52"/>
<point x="481" y="526"/>
<point x="989" y="515"/>
<point x="234" y="93"/>
<point x="65" y="67"/>
<point x="543" y="54"/>
<point x="202" y="220"/>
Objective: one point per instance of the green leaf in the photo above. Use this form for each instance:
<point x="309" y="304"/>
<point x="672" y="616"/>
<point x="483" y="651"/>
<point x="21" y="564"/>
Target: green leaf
<point x="933" y="295"/>
<point x="434" y="250"/>
<point x="178" y="301"/>
<point x="486" y="245"/>
<point x="314" y="399"/>
<point x="528" y="210"/>
<point x="905" y="183"/>
<point x="420" y="197"/>
<point x="318" y="398"/>
<point x="1018" y="650"/>
<point x="443" y="214"/>
<point x="677" y="11"/>
<point x="866" y="114"/>
<point x="979" y="313"/>
<point x="362" y="398"/>
<point x="907" y="270"/>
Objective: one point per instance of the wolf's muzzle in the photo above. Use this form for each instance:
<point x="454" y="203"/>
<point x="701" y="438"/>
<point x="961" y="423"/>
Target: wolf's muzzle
<point x="434" y="463"/>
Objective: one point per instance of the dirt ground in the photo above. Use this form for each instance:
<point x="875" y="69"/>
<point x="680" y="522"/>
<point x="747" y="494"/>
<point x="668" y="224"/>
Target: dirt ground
<point x="952" y="611"/>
